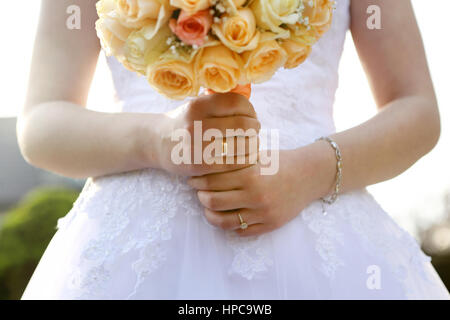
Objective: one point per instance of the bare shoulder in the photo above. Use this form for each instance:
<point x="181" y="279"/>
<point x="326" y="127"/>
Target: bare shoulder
<point x="65" y="52"/>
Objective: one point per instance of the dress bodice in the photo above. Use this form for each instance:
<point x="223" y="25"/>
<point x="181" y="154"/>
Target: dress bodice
<point x="297" y="102"/>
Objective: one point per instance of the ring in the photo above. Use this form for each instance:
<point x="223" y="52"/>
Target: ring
<point x="244" y="224"/>
<point x="224" y="148"/>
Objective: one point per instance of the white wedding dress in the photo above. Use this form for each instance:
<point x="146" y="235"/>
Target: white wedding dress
<point x="142" y="235"/>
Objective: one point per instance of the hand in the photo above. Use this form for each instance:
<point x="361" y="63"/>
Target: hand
<point x="216" y="111"/>
<point x="266" y="202"/>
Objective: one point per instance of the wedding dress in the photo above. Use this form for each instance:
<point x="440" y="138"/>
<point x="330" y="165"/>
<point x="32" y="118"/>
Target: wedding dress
<point x="142" y="235"/>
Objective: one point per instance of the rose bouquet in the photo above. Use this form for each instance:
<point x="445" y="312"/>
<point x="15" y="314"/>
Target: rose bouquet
<point x="220" y="45"/>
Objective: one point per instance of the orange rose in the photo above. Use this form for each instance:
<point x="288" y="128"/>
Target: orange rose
<point x="192" y="29"/>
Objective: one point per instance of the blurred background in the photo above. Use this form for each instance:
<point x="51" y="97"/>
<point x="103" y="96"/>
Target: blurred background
<point x="31" y="200"/>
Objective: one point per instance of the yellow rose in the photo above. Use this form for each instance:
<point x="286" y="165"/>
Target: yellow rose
<point x="218" y="68"/>
<point x="173" y="78"/>
<point x="111" y="32"/>
<point x="297" y="53"/>
<point x="320" y="13"/>
<point x="262" y="63"/>
<point x="271" y="14"/>
<point x="142" y="50"/>
<point x="305" y="34"/>
<point x="239" y="3"/>
<point x="191" y="6"/>
<point x="238" y="32"/>
<point x="233" y="5"/>
<point x="139" y="13"/>
<point x="316" y="20"/>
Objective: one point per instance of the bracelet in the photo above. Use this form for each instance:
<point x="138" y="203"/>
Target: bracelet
<point x="337" y="186"/>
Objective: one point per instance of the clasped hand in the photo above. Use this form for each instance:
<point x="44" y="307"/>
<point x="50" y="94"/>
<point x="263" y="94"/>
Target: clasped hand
<point x="265" y="202"/>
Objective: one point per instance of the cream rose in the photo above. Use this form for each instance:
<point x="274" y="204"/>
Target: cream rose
<point x="191" y="6"/>
<point x="238" y="32"/>
<point x="141" y="51"/>
<point x="111" y="32"/>
<point x="271" y="14"/>
<point x="173" y="78"/>
<point x="262" y="63"/>
<point x="218" y="68"/>
<point x="297" y="52"/>
<point x="139" y="13"/>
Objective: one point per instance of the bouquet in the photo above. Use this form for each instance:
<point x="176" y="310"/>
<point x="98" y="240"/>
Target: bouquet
<point x="220" y="45"/>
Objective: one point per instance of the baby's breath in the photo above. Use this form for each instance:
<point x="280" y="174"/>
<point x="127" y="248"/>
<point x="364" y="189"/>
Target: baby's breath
<point x="178" y="47"/>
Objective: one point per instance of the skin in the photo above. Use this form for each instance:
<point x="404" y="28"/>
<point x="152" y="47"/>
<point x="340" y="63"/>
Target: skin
<point x="57" y="134"/>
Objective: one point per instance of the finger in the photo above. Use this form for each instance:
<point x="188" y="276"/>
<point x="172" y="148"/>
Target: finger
<point x="223" y="200"/>
<point x="232" y="126"/>
<point x="228" y="164"/>
<point x="229" y="220"/>
<point x="254" y="230"/>
<point x="224" y="104"/>
<point x="220" y="149"/>
<point x="231" y="180"/>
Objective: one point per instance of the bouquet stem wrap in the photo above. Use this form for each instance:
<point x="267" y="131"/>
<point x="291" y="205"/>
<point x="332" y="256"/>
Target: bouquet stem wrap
<point x="245" y="90"/>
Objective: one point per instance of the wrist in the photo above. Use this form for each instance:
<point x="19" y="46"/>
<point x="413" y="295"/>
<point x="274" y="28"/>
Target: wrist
<point x="318" y="164"/>
<point x="149" y="134"/>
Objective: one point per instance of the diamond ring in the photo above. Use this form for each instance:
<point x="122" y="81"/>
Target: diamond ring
<point x="244" y="224"/>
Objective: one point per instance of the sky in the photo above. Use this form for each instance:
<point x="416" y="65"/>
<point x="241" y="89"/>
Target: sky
<point x="415" y="196"/>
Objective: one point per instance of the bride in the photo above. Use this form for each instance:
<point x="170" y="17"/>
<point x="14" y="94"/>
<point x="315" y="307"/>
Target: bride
<point x="145" y="228"/>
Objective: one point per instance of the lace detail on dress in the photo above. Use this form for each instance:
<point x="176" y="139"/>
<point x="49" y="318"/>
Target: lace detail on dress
<point x="371" y="224"/>
<point x="399" y="249"/>
<point x="251" y="257"/>
<point x="128" y="195"/>
<point x="328" y="237"/>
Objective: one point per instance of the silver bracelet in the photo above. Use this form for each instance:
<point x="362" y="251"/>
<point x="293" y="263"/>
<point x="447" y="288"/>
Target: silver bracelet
<point x="337" y="186"/>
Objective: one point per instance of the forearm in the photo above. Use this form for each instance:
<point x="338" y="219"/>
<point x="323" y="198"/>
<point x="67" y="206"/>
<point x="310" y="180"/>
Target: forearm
<point x="72" y="141"/>
<point x="381" y="148"/>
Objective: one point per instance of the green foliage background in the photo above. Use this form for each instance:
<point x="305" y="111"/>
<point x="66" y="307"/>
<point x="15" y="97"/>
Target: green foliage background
<point x="25" y="232"/>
